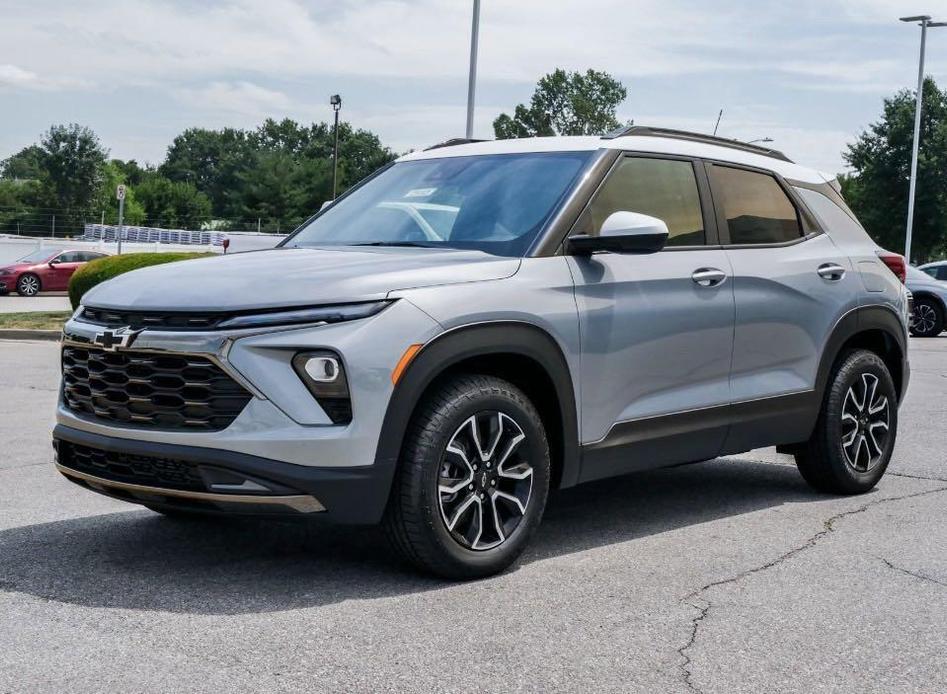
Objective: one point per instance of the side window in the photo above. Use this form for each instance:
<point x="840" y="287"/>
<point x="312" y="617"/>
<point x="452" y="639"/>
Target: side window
<point x="757" y="209"/>
<point x="662" y="188"/>
<point x="941" y="272"/>
<point x="932" y="271"/>
<point x="67" y="257"/>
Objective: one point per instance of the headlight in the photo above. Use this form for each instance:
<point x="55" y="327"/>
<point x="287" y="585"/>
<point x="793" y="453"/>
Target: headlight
<point x="323" y="374"/>
<point x="318" y="314"/>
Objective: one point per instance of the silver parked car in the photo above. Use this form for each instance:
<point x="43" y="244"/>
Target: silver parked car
<point x="928" y="284"/>
<point x="479" y="323"/>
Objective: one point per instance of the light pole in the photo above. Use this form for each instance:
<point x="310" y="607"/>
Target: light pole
<point x="472" y="76"/>
<point x="925" y="22"/>
<point x="336" y="101"/>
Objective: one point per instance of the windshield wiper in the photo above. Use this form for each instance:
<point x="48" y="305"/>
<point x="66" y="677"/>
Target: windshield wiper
<point x="398" y="244"/>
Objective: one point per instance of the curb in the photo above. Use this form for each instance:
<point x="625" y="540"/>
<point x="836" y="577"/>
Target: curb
<point x="18" y="334"/>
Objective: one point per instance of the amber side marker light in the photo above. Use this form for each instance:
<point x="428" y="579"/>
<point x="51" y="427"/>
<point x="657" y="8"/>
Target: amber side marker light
<point x="403" y="363"/>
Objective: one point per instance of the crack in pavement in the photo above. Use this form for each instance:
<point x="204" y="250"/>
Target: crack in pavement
<point x="696" y="600"/>
<point x="916" y="477"/>
<point x="916" y="575"/>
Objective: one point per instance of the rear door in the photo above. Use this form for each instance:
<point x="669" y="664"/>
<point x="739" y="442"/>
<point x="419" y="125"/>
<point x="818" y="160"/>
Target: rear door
<point x="656" y="330"/>
<point x="791" y="286"/>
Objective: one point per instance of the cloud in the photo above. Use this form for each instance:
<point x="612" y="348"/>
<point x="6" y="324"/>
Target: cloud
<point x="13" y="76"/>
<point x="240" y="98"/>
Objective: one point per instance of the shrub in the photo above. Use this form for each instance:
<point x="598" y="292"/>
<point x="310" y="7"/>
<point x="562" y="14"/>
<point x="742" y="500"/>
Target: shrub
<point x="103" y="269"/>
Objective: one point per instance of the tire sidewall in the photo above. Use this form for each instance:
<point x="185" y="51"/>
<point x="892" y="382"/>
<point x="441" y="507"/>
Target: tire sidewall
<point x="19" y="283"/>
<point x="851" y="369"/>
<point x="938" y="318"/>
<point x="458" y="411"/>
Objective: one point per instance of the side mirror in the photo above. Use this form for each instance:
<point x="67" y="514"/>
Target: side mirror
<point x="623" y="232"/>
<point x="54" y="261"/>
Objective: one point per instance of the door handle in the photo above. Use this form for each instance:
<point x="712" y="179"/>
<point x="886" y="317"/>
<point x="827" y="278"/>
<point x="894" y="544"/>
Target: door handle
<point x="831" y="271"/>
<point x="709" y="276"/>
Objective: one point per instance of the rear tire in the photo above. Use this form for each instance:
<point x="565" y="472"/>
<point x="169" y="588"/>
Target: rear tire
<point x="28" y="285"/>
<point x="928" y="318"/>
<point x="851" y="446"/>
<point x="473" y="479"/>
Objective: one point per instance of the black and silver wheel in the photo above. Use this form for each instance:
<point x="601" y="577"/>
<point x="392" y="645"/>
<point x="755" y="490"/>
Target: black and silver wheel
<point x="28" y="285"/>
<point x="472" y="483"/>
<point x="855" y="433"/>
<point x="928" y="318"/>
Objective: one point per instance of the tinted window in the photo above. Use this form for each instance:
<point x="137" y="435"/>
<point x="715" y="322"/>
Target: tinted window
<point x="932" y="271"/>
<point x="662" y="188"/>
<point x="756" y="207"/>
<point x="942" y="272"/>
<point x="494" y="203"/>
<point x="71" y="257"/>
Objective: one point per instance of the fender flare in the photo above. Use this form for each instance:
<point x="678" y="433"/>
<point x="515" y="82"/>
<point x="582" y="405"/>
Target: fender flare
<point x="856" y="321"/>
<point x="479" y="340"/>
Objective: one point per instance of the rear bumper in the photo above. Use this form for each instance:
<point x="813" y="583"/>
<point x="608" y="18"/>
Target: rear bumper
<point x="220" y="481"/>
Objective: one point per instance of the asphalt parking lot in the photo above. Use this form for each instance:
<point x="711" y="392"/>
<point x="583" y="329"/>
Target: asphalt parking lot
<point x="730" y="576"/>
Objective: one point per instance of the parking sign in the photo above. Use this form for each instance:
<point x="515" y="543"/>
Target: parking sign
<point x="120" y="192"/>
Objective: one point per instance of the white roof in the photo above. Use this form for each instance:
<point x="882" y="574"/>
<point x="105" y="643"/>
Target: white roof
<point x="631" y="143"/>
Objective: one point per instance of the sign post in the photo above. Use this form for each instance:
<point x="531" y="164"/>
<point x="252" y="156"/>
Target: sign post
<point x="120" y="194"/>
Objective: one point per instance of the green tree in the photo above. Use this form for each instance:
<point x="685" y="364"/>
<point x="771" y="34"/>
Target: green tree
<point x="72" y="162"/>
<point x="880" y="158"/>
<point x="172" y="203"/>
<point x="105" y="206"/>
<point x="212" y="161"/>
<point x="24" y="165"/>
<point x="566" y="103"/>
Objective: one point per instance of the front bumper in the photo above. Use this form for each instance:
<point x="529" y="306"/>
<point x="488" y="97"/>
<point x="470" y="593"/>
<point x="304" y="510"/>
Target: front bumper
<point x="352" y="495"/>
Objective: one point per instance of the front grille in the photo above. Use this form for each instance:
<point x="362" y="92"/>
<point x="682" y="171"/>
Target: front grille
<point x="131" y="469"/>
<point x="164" y="391"/>
<point x="160" y="320"/>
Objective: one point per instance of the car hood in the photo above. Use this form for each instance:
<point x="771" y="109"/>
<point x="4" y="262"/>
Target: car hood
<point x="17" y="267"/>
<point x="293" y="277"/>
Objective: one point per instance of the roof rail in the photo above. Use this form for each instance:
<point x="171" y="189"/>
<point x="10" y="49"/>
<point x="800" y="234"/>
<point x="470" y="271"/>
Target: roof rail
<point x="646" y="131"/>
<point x="453" y="141"/>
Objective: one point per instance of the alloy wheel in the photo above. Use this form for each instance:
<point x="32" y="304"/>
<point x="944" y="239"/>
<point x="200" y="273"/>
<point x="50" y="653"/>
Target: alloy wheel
<point x="485" y="480"/>
<point x="925" y="318"/>
<point x="865" y="423"/>
<point x="28" y="286"/>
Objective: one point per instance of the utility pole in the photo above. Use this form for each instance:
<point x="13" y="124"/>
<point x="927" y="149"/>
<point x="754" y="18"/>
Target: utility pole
<point x="472" y="75"/>
<point x="336" y="102"/>
<point x="54" y="226"/>
<point x="925" y="22"/>
<point x="120" y="194"/>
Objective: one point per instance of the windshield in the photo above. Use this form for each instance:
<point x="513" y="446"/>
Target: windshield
<point x="36" y="257"/>
<point x="494" y="203"/>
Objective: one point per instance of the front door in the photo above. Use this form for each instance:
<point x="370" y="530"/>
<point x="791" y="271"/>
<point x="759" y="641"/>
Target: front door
<point x="656" y="330"/>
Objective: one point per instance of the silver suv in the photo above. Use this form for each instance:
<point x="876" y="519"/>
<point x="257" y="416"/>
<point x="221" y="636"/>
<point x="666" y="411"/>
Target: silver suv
<point x="481" y="322"/>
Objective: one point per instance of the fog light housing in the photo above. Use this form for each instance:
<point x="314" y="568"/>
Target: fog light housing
<point x="323" y="375"/>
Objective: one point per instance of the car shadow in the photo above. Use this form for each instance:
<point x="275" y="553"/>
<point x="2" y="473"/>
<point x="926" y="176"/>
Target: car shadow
<point x="140" y="560"/>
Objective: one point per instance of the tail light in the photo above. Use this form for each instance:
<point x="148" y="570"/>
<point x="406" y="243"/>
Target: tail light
<point x="895" y="263"/>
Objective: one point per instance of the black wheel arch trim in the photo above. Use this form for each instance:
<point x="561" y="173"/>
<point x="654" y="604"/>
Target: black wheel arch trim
<point x="477" y="341"/>
<point x="860" y="320"/>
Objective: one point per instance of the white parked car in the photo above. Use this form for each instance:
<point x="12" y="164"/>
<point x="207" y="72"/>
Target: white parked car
<point x="927" y="285"/>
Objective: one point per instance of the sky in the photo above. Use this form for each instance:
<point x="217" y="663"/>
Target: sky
<point x="811" y="74"/>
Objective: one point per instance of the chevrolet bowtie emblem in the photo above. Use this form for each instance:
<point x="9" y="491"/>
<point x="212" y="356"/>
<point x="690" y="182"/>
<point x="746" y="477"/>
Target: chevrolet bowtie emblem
<point x="112" y="340"/>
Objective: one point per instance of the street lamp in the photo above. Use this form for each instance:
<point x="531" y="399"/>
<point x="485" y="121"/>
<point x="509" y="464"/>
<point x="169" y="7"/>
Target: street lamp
<point x="472" y="75"/>
<point x="336" y="102"/>
<point x="925" y="23"/>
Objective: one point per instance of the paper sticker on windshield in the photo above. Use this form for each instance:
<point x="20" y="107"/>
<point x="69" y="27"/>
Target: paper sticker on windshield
<point x="420" y="192"/>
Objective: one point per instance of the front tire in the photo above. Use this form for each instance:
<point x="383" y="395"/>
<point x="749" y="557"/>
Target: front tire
<point x="928" y="318"/>
<point x="851" y="446"/>
<point x="473" y="479"/>
<point x="28" y="285"/>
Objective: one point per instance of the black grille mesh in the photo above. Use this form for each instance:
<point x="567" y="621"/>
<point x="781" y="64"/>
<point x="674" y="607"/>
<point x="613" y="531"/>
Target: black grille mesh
<point x="164" y="391"/>
<point x="152" y="319"/>
<point x="133" y="469"/>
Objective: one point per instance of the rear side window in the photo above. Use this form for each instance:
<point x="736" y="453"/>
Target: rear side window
<point x="756" y="207"/>
<point x="662" y="188"/>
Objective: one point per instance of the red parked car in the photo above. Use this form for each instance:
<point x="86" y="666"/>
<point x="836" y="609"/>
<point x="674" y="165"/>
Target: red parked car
<point x="44" y="270"/>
